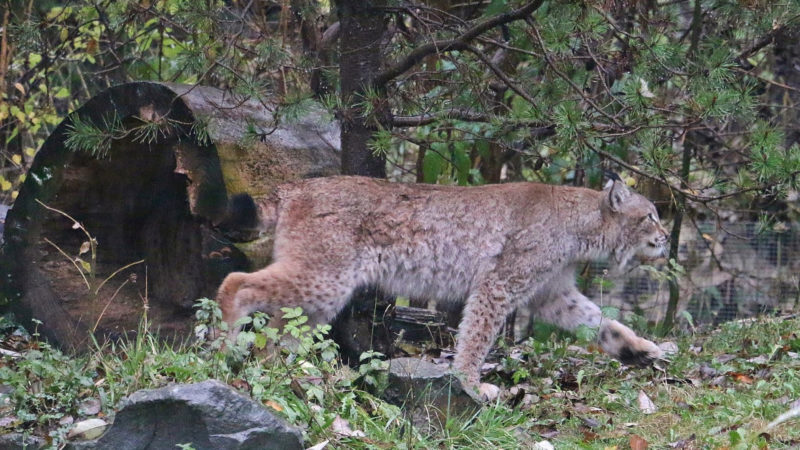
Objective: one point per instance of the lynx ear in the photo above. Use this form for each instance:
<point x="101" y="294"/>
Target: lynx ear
<point x="618" y="194"/>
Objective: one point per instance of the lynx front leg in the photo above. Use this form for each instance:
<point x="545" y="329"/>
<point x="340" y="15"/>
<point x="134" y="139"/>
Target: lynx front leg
<point x="484" y="315"/>
<point x="570" y="309"/>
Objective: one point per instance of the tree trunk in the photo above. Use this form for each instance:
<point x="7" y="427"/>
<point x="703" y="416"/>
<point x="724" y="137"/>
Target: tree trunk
<point x="151" y="204"/>
<point x="360" y="54"/>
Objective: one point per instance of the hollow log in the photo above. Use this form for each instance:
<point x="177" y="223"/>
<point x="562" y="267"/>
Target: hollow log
<point x="151" y="201"/>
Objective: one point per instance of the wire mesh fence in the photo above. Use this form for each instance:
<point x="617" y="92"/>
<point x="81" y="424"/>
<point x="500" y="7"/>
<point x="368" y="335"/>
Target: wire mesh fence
<point x="730" y="271"/>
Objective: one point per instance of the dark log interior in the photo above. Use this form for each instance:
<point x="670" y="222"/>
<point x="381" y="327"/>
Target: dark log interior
<point x="154" y="202"/>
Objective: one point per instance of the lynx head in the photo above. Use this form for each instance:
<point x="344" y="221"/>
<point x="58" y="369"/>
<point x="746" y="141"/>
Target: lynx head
<point x="636" y="219"/>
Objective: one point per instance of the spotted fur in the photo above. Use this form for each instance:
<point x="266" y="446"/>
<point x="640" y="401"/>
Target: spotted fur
<point x="494" y="247"/>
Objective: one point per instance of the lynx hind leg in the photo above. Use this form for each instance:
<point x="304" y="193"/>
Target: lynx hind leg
<point x="281" y="285"/>
<point x="570" y="309"/>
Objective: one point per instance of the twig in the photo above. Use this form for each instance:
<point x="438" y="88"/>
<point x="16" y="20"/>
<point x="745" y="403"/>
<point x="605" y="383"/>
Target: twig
<point x="80" y="270"/>
<point x="96" y="291"/>
<point x="103" y="312"/>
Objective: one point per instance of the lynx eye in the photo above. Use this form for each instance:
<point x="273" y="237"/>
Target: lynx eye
<point x="652" y="217"/>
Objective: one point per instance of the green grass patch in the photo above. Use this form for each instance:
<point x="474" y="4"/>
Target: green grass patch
<point x="720" y="389"/>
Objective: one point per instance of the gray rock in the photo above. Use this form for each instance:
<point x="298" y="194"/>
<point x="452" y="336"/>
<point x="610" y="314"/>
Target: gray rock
<point x="209" y="415"/>
<point x="18" y="441"/>
<point x="3" y="212"/>
<point x="417" y="385"/>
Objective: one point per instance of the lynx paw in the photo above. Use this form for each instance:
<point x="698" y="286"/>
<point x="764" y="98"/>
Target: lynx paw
<point x="622" y="343"/>
<point x="488" y="392"/>
<point x="640" y="353"/>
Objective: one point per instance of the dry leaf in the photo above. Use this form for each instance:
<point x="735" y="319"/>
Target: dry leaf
<point x="319" y="446"/>
<point x="589" y="436"/>
<point x="242" y="385"/>
<point x="84" y="248"/>
<point x="274" y="405"/>
<point x="741" y="377"/>
<point x="645" y="404"/>
<point x="637" y="443"/>
<point x="668" y="347"/>
<point x="644" y="90"/>
<point x="341" y="426"/>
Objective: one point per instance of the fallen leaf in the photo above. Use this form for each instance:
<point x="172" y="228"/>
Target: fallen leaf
<point x="241" y="385"/>
<point x="645" y="404"/>
<point x="668" y="347"/>
<point x="637" y="443"/>
<point x="319" y="446"/>
<point x="89" y="407"/>
<point x="741" y="377"/>
<point x="761" y="359"/>
<point x="589" y="436"/>
<point x="341" y="426"/>
<point x="644" y="90"/>
<point x="88" y="429"/>
<point x="683" y="443"/>
<point x="589" y="422"/>
<point x="272" y="404"/>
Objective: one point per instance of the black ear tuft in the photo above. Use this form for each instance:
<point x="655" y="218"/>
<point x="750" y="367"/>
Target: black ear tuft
<point x="613" y="176"/>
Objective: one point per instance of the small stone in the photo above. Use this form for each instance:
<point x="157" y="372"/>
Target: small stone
<point x="543" y="445"/>
<point x="88" y="429"/>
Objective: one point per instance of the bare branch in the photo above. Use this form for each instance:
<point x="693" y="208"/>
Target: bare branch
<point x="765" y="40"/>
<point x="425" y="119"/>
<point x="457" y="43"/>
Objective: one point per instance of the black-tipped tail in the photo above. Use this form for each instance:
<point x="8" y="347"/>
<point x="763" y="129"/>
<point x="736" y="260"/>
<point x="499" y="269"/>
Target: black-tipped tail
<point x="241" y="221"/>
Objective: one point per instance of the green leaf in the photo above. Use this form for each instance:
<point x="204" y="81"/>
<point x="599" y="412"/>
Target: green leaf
<point x="611" y="312"/>
<point x="462" y="163"/>
<point x="84" y="264"/>
<point x="61" y="93"/>
<point x="432" y="165"/>
<point x="585" y="333"/>
<point x="260" y="341"/>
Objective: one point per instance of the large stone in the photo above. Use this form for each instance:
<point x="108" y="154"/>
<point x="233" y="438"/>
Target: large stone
<point x="209" y="415"/>
<point x="19" y="441"/>
<point x="424" y="387"/>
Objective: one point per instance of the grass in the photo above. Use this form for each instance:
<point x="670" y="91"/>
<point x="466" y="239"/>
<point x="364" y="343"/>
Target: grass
<point x="720" y="390"/>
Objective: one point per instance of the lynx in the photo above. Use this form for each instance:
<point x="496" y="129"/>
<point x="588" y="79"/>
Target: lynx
<point x="493" y="247"/>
